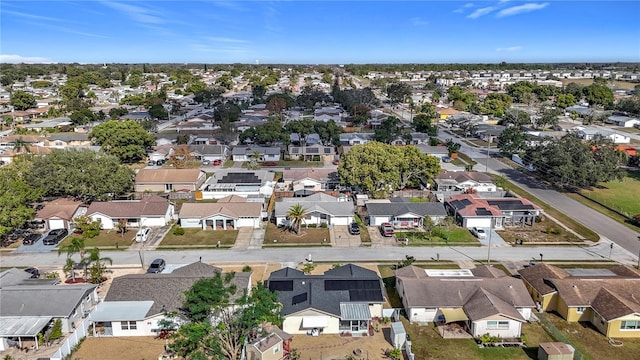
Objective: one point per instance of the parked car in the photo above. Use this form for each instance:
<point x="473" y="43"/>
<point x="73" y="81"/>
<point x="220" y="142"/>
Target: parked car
<point x="160" y="162"/>
<point x="446" y="159"/>
<point x="31" y="239"/>
<point x="387" y="229"/>
<point x="206" y="162"/>
<point x="151" y="163"/>
<point x="217" y="162"/>
<point x="478" y="232"/>
<point x="354" y="229"/>
<point x="54" y="236"/>
<point x="143" y="234"/>
<point x="35" y="273"/>
<point x="19" y="234"/>
<point x="156" y="266"/>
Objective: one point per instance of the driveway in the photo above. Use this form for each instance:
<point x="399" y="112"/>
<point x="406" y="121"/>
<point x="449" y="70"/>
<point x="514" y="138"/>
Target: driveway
<point x="38" y="247"/>
<point x="340" y="237"/>
<point x="377" y="240"/>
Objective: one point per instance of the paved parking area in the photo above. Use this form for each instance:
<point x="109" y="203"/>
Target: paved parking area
<point x="377" y="240"/>
<point x="38" y="247"/>
<point x="340" y="237"/>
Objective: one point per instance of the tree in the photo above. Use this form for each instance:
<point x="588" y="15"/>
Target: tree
<point x="513" y="140"/>
<point x="574" y="89"/>
<point x="296" y="215"/>
<point x="22" y="100"/>
<point x="96" y="265"/>
<point x="565" y="100"/>
<point x="258" y="91"/>
<point x="398" y="92"/>
<point x="85" y="175"/>
<point x="599" y="95"/>
<point x="125" y="139"/>
<point x="181" y="157"/>
<point x="115" y="113"/>
<point x="516" y="117"/>
<point x="424" y="123"/>
<point x="452" y="146"/>
<point x="377" y="167"/>
<point x="547" y="117"/>
<point x="276" y="105"/>
<point x="158" y="112"/>
<point x="83" y="116"/>
<point x="389" y="129"/>
<point x="227" y="111"/>
<point x="16" y="196"/>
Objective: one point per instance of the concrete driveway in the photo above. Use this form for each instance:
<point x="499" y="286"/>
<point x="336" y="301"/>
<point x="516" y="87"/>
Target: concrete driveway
<point x="340" y="237"/>
<point x="377" y="240"/>
<point x="38" y="247"/>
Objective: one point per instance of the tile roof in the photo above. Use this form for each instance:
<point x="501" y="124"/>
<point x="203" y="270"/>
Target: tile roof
<point x="62" y="208"/>
<point x="165" y="176"/>
<point x="231" y="209"/>
<point x="167" y="290"/>
<point x="149" y="206"/>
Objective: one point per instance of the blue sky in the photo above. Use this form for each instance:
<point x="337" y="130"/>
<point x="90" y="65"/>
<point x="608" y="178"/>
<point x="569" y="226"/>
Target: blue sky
<point x="319" y="32"/>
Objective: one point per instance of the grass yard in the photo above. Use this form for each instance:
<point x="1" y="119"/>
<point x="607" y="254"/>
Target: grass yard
<point x="306" y="236"/>
<point x="119" y="348"/>
<point x="586" y="82"/>
<point x="426" y="343"/>
<point x="364" y="230"/>
<point x="455" y="235"/>
<point x="199" y="237"/>
<point x="299" y="163"/>
<point x="543" y="231"/>
<point x="622" y="196"/>
<point x="106" y="238"/>
<point x="592" y="343"/>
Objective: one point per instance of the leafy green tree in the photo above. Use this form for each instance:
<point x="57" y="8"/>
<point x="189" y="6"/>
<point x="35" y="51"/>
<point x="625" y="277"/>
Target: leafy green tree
<point x="522" y="91"/>
<point x="115" y="113"/>
<point x="398" y="92"/>
<point x="516" y="117"/>
<point x="574" y="89"/>
<point x="96" y="265"/>
<point x="296" y="214"/>
<point x="158" y="112"/>
<point x="630" y="105"/>
<point x="513" y="140"/>
<point x="258" y="91"/>
<point x="389" y="129"/>
<point x="85" y="175"/>
<point x="228" y="111"/>
<point x="265" y="134"/>
<point x="599" y="95"/>
<point x="125" y="139"/>
<point x="83" y="116"/>
<point x="16" y="196"/>
<point x="206" y="294"/>
<point x="565" y="100"/>
<point x="424" y="123"/>
<point x="22" y="100"/>
<point x="547" y="117"/>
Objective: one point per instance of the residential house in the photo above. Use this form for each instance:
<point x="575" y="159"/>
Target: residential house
<point x="271" y="344"/>
<point x="317" y="152"/>
<point x="261" y="153"/>
<point x="310" y="139"/>
<point x="305" y="181"/>
<point x="465" y="181"/>
<point x="326" y="114"/>
<point x="67" y="140"/>
<point x="622" y="121"/>
<point x="487" y="132"/>
<point x="255" y="185"/>
<point x="160" y="152"/>
<point x="7" y="156"/>
<point x="228" y="213"/>
<point x="209" y="152"/>
<point x="136" y="303"/>
<point x="150" y="211"/>
<point x="376" y="117"/>
<point x="589" y="133"/>
<point x="438" y="151"/>
<point x="404" y="214"/>
<point x="168" y="180"/>
<point x="482" y="300"/>
<point x="356" y="138"/>
<point x="444" y="113"/>
<point x="608" y="298"/>
<point x="342" y="300"/>
<point x="59" y="213"/>
<point x="30" y="141"/>
<point x="469" y="210"/>
<point x="320" y="208"/>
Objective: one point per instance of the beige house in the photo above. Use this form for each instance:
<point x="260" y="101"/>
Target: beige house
<point x="59" y="213"/>
<point x="168" y="180"/>
<point x="310" y="179"/>
<point x="227" y="213"/>
<point x="273" y="345"/>
<point x="65" y="140"/>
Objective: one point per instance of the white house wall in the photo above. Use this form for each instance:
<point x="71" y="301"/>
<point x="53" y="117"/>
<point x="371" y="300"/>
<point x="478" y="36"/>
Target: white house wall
<point x="422" y="315"/>
<point x="375" y="310"/>
<point x="525" y="312"/>
<point x="378" y="220"/>
<point x="105" y="221"/>
<point x="479" y="328"/>
<point x="477" y="222"/>
<point x="191" y="223"/>
<point x="55" y="223"/>
<point x="143" y="327"/>
<point x="293" y="325"/>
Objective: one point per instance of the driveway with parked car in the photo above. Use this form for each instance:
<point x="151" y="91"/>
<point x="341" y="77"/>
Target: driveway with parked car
<point x="38" y="245"/>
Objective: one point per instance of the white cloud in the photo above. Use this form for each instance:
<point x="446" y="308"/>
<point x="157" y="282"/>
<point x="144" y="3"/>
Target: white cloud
<point x="32" y="16"/>
<point x="137" y="13"/>
<point x="463" y="8"/>
<point x="225" y="40"/>
<point x="481" y="12"/>
<point x="521" y="9"/>
<point x="17" y="59"/>
<point x="509" y="49"/>
<point x="418" y="21"/>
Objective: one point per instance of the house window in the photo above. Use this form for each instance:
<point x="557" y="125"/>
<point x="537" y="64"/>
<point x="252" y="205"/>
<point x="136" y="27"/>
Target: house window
<point x="630" y="325"/>
<point x="498" y="325"/>
<point x="580" y="309"/>
<point x="168" y="187"/>
<point x="276" y="349"/>
<point x="129" y="325"/>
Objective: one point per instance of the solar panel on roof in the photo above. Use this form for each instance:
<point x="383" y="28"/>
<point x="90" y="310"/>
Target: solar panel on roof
<point x="482" y="212"/>
<point x="239" y="178"/>
<point x="365" y="295"/>
<point x="281" y="285"/>
<point x="334" y="285"/>
<point x="300" y="298"/>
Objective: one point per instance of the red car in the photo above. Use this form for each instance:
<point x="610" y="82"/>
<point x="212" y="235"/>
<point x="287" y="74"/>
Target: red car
<point x="387" y="229"/>
<point x="217" y="162"/>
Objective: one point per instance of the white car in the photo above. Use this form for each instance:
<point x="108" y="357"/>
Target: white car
<point x="479" y="233"/>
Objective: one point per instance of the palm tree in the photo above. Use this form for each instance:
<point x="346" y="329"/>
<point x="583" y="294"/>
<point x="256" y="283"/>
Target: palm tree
<point x="69" y="268"/>
<point x="21" y="146"/>
<point x="97" y="267"/>
<point x="75" y="245"/>
<point x="296" y="215"/>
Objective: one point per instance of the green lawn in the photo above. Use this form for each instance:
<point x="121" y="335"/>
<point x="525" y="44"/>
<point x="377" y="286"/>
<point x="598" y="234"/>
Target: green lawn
<point x="199" y="237"/>
<point x="418" y="200"/>
<point x="623" y="196"/>
<point x="299" y="163"/>
<point x="364" y="230"/>
<point x="455" y="235"/>
<point x="426" y="343"/>
<point x="106" y="238"/>
<point x="306" y="236"/>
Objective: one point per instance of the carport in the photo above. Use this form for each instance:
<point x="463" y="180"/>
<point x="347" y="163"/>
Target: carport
<point x="21" y="327"/>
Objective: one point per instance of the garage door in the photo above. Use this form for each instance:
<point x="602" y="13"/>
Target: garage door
<point x="56" y="224"/>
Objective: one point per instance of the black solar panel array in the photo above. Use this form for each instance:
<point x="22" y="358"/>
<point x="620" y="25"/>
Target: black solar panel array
<point x="300" y="298"/>
<point x="460" y="204"/>
<point x="365" y="295"/>
<point x="281" y="285"/>
<point x="239" y="178"/>
<point x="482" y="212"/>
<point x="333" y="285"/>
<point x="510" y="205"/>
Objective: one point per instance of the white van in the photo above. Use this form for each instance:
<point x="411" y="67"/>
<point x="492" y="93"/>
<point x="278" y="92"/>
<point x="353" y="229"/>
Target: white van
<point x="143" y="234"/>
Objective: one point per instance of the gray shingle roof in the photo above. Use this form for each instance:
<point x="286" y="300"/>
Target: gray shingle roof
<point x="395" y="209"/>
<point x="166" y="290"/>
<point x="44" y="300"/>
<point x="12" y="277"/>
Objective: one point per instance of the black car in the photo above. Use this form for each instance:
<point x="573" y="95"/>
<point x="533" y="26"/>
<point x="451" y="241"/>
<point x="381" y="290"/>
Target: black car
<point x="35" y="273"/>
<point x="54" y="236"/>
<point x="354" y="229"/>
<point x="31" y="239"/>
<point x="156" y="266"/>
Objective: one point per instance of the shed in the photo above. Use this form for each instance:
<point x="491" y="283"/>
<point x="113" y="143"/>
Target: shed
<point x="398" y="335"/>
<point x="555" y="351"/>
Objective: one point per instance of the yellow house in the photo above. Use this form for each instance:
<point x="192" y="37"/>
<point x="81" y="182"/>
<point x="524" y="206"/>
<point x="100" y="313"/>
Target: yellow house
<point x="444" y="113"/>
<point x="607" y="298"/>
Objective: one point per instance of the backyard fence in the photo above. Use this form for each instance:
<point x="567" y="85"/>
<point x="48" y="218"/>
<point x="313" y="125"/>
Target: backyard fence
<point x="74" y="338"/>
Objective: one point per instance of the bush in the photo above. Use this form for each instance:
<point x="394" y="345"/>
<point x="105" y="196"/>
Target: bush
<point x="246" y="268"/>
<point x="178" y="231"/>
<point x="323" y="225"/>
<point x="56" y="332"/>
